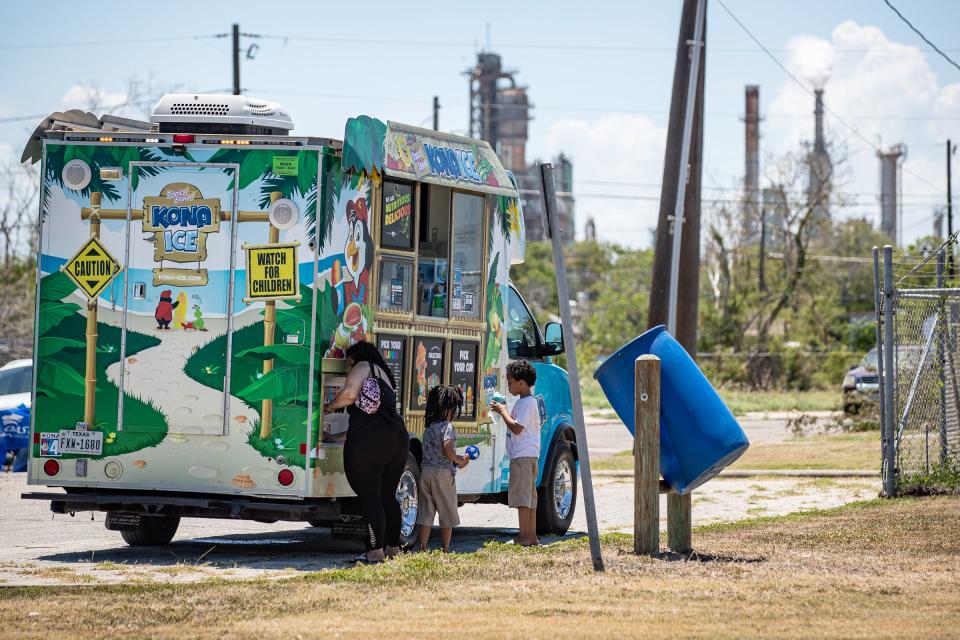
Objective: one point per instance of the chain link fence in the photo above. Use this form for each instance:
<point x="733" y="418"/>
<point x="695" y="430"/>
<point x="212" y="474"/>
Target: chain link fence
<point x="918" y="342"/>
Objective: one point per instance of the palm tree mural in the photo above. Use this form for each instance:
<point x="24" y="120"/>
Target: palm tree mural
<point x="99" y="157"/>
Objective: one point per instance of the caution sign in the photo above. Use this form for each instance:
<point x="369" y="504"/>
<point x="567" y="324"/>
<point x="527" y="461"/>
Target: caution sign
<point x="272" y="272"/>
<point x="92" y="268"/>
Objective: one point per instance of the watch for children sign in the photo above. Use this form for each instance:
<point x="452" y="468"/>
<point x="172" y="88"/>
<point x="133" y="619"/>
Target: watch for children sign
<point x="272" y="272"/>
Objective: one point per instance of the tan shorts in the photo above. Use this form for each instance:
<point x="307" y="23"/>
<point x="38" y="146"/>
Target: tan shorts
<point x="438" y="494"/>
<point x="523" y="483"/>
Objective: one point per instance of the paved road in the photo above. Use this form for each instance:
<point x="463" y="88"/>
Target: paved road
<point x="607" y="437"/>
<point x="39" y="548"/>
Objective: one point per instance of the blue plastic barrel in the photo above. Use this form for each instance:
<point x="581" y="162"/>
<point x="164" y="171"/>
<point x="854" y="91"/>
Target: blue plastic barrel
<point x="698" y="434"/>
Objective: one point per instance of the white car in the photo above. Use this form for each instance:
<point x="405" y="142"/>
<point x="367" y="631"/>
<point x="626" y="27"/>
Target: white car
<point x="16" y="380"/>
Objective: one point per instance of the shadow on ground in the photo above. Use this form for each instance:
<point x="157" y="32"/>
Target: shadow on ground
<point x="301" y="549"/>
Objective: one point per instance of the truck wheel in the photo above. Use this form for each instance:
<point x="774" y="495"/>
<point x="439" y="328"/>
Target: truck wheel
<point x="557" y="498"/>
<point x="408" y="494"/>
<point x="154" y="531"/>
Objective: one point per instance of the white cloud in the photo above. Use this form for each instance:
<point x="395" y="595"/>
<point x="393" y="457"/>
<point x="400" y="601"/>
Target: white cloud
<point x="91" y="98"/>
<point x="886" y="90"/>
<point x="615" y="148"/>
<point x="811" y="58"/>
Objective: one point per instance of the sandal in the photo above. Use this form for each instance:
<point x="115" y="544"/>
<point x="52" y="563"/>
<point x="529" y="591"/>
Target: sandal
<point x="363" y="559"/>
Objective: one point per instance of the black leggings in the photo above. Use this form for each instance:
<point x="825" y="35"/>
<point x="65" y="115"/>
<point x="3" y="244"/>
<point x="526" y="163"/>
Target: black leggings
<point x="374" y="457"/>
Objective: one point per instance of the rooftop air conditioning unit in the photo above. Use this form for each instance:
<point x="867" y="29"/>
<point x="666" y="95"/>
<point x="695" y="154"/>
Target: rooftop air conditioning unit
<point x="220" y="114"/>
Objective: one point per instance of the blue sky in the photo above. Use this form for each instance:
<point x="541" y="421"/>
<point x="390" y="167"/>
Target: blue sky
<point x="599" y="76"/>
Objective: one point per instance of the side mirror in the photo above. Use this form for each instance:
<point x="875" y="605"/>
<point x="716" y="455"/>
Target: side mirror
<point x="553" y="339"/>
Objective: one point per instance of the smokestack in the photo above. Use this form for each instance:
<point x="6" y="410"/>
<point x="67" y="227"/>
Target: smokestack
<point x="889" y="178"/>
<point x="751" y="174"/>
<point x="821" y="168"/>
<point x="818" y="143"/>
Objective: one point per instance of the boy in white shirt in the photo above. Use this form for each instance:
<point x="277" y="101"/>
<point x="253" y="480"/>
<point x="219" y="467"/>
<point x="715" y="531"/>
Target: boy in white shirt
<point x="523" y="447"/>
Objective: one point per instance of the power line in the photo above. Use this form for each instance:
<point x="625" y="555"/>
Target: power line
<point x="922" y="37"/>
<point x="22" y="118"/>
<point x="811" y="93"/>
<point x="106" y="42"/>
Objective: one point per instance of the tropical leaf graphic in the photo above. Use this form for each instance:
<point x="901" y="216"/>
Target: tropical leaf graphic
<point x="52" y="314"/>
<point x="51" y="345"/>
<point x="56" y="286"/>
<point x="54" y="375"/>
<point x="363" y="144"/>
<point x="289" y="353"/>
<point x="279" y="384"/>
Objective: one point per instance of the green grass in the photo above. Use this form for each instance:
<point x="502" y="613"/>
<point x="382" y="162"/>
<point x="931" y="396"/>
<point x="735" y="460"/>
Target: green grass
<point x="739" y="402"/>
<point x="848" y="451"/>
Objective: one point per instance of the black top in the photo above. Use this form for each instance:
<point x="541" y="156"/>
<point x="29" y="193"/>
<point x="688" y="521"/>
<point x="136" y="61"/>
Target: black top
<point x="385" y="417"/>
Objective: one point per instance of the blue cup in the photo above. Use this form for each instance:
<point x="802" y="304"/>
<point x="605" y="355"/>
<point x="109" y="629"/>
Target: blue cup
<point x="698" y="434"/>
<point x="473" y="452"/>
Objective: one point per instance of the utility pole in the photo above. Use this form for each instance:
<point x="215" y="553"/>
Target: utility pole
<point x="762" y="284"/>
<point x="236" y="59"/>
<point x="681" y="186"/>
<point x="950" y="150"/>
<point x="436" y="113"/>
<point x="676" y="258"/>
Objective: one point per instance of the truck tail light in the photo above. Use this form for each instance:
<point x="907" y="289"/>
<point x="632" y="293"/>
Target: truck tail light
<point x="183" y="138"/>
<point x="285" y="477"/>
<point x="51" y="467"/>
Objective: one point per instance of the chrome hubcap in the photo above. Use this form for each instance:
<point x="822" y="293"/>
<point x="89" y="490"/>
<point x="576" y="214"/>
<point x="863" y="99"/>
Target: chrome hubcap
<point x="563" y="489"/>
<point x="407" y="497"/>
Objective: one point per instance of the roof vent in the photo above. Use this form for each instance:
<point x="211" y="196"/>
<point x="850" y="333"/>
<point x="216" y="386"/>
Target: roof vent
<point x="220" y="114"/>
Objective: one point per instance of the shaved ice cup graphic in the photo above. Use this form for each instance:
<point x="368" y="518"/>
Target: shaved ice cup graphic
<point x="698" y="434"/>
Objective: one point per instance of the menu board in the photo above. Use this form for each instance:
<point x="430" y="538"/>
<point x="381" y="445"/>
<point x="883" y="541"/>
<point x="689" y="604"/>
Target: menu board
<point x="463" y="374"/>
<point x="397" y="228"/>
<point x="394" y="351"/>
<point x="427" y="369"/>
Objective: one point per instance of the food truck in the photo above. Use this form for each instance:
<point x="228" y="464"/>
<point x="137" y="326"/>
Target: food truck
<point x="200" y="277"/>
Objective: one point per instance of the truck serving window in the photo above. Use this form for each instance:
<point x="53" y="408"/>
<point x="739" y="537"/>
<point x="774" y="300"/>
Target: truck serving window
<point x="522" y="331"/>
<point x="466" y="272"/>
<point x="434" y="249"/>
<point x="396" y="284"/>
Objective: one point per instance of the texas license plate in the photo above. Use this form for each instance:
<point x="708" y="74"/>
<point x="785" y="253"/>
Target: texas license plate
<point x="88" y="443"/>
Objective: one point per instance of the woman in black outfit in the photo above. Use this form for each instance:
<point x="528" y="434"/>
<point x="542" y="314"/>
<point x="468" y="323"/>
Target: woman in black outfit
<point x="375" y="452"/>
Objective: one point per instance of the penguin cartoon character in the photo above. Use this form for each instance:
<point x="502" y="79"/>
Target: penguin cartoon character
<point x="358" y="254"/>
<point x="164" y="311"/>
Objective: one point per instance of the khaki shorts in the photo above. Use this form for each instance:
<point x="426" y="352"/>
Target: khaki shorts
<point x="523" y="483"/>
<point x="438" y="494"/>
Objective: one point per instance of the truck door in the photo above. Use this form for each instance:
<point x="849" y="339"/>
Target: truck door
<point x="181" y="237"/>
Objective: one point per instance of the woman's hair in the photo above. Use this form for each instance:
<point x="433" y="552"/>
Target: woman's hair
<point x="363" y="351"/>
<point x="441" y="400"/>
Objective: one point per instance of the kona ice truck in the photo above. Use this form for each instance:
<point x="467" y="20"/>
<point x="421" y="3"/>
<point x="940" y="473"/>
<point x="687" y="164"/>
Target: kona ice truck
<point x="200" y="277"/>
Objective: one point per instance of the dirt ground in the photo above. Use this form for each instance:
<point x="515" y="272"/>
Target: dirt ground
<point x="879" y="569"/>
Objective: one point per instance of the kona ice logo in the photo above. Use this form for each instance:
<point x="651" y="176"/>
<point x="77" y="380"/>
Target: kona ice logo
<point x="180" y="219"/>
<point x="458" y="164"/>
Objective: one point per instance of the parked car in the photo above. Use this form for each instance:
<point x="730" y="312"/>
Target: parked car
<point x="16" y="378"/>
<point x="861" y="385"/>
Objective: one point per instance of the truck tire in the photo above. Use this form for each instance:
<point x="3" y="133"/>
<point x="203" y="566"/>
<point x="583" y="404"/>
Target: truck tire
<point x="408" y="495"/>
<point x="154" y="531"/>
<point x="557" y="498"/>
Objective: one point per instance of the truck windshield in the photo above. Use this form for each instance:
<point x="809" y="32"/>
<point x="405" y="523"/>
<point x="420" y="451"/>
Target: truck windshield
<point x="16" y="380"/>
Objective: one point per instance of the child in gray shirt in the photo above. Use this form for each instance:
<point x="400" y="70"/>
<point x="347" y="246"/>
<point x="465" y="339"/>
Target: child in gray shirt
<point x="438" y="487"/>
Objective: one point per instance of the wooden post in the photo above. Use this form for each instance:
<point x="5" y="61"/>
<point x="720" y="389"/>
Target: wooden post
<point x="90" y="370"/>
<point x="269" y="327"/>
<point x="646" y="456"/>
<point x="679" y="523"/>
